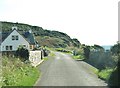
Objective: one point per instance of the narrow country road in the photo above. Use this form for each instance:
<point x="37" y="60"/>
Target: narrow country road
<point x="64" y="71"/>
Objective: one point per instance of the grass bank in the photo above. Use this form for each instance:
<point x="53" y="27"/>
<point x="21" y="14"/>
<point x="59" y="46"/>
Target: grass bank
<point x="18" y="73"/>
<point x="63" y="50"/>
<point x="103" y="74"/>
<point x="78" y="57"/>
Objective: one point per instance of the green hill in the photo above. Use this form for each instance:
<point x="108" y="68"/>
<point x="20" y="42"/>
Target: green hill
<point x="54" y="39"/>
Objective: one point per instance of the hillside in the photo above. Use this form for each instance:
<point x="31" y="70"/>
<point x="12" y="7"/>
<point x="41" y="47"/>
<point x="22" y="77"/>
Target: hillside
<point x="54" y="39"/>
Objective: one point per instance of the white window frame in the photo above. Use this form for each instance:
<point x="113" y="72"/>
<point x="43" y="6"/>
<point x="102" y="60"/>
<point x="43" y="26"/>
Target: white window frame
<point x="15" y="37"/>
<point x="9" y="48"/>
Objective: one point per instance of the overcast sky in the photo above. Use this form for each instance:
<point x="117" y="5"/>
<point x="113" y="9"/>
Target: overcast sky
<point x="90" y="21"/>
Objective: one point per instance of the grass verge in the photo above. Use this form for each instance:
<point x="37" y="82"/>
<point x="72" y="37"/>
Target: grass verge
<point x="105" y="74"/>
<point x="63" y="50"/>
<point x="78" y="57"/>
<point x="45" y="58"/>
<point x="17" y="73"/>
<point x="95" y="70"/>
<point x="52" y="54"/>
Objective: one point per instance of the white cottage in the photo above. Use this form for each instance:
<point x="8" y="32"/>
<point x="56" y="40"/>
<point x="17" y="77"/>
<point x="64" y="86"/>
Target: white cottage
<point x="10" y="41"/>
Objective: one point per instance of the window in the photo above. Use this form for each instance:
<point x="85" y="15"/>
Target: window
<point x="8" y="47"/>
<point x="14" y="37"/>
<point x="31" y="47"/>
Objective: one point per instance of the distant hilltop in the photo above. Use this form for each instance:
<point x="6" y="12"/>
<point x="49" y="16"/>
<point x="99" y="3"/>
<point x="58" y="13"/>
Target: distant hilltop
<point x="53" y="39"/>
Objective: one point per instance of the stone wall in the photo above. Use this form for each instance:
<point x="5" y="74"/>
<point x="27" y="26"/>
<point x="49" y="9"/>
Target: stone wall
<point x="35" y="57"/>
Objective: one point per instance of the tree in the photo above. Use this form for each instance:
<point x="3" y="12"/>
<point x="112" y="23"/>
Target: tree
<point x="98" y="47"/>
<point x="114" y="79"/>
<point x="115" y="49"/>
<point x="76" y="43"/>
<point x="23" y="53"/>
<point x="86" y="52"/>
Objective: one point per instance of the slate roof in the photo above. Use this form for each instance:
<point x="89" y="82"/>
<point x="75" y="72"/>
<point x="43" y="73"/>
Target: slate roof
<point x="27" y="35"/>
<point x="4" y="35"/>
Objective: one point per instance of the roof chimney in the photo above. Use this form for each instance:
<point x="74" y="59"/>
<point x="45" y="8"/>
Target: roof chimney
<point x="14" y="28"/>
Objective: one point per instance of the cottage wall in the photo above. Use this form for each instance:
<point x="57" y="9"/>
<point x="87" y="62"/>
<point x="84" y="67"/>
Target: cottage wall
<point x="14" y="43"/>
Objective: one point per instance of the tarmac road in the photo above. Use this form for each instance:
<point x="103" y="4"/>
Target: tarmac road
<point x="64" y="71"/>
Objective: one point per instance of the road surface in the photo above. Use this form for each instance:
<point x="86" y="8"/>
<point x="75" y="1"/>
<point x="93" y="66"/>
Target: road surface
<point x="64" y="71"/>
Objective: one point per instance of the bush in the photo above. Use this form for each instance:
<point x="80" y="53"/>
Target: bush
<point x="115" y="49"/>
<point x="86" y="52"/>
<point x="17" y="73"/>
<point x="46" y="52"/>
<point x="23" y="53"/>
<point x="105" y="74"/>
<point x="114" y="79"/>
